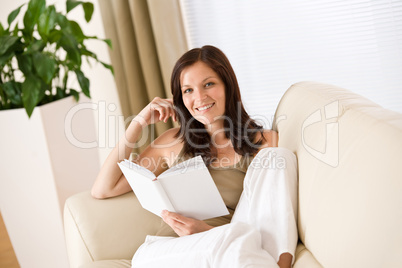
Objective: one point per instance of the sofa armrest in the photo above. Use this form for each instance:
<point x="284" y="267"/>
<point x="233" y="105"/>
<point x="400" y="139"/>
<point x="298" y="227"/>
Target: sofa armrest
<point x="105" y="229"/>
<point x="304" y="258"/>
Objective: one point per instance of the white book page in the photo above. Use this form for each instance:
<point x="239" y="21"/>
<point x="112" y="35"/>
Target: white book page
<point x="138" y="168"/>
<point x="194" y="194"/>
<point x="149" y="192"/>
<point x="195" y="163"/>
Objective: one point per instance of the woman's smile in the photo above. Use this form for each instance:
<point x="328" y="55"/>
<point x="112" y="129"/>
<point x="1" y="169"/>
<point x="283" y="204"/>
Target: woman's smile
<point x="205" y="108"/>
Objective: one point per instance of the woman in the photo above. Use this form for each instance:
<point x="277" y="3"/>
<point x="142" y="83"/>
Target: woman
<point x="213" y="124"/>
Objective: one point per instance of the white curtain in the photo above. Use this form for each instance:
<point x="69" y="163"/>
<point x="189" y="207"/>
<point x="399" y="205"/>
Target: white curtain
<point x="355" y="44"/>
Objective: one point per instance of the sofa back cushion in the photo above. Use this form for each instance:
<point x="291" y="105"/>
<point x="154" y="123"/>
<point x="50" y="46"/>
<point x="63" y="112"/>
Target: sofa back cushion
<point x="349" y="152"/>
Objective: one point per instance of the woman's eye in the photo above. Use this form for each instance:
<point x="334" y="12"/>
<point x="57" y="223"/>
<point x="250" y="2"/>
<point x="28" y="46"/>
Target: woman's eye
<point x="187" y="90"/>
<point x="209" y="84"/>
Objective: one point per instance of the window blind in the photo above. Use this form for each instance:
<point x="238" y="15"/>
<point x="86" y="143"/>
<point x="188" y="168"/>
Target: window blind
<point x="274" y="44"/>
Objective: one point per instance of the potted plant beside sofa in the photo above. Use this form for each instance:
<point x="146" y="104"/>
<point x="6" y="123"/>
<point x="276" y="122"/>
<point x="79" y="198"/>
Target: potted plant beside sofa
<point x="43" y="159"/>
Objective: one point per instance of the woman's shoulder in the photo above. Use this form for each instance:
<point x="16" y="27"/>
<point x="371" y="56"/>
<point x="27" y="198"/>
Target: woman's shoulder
<point x="168" y="138"/>
<point x="169" y="141"/>
<point x="162" y="151"/>
<point x="270" y="138"/>
<point x="169" y="134"/>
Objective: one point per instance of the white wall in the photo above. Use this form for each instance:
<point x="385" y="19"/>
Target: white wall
<point x="103" y="88"/>
<point x="354" y="44"/>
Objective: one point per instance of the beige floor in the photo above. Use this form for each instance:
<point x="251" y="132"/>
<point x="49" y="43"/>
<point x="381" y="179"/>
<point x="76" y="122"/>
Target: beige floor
<point x="7" y="255"/>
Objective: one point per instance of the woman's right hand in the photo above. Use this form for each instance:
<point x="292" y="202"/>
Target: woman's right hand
<point x="110" y="180"/>
<point x="158" y="110"/>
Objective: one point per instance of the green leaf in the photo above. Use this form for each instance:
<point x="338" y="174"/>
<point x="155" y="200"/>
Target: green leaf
<point x="54" y="36"/>
<point x="35" y="9"/>
<point x="76" y="31"/>
<point x="65" y="78"/>
<point x="25" y="63"/>
<point x="108" y="66"/>
<point x="60" y="93"/>
<point x="36" y="45"/>
<point x="6" y="42"/>
<point x="1" y="29"/>
<point x="47" y="21"/>
<point x="32" y="93"/>
<point x="62" y="20"/>
<point x="5" y="58"/>
<point x="86" y="52"/>
<point x="84" y="82"/>
<point x="28" y="23"/>
<point x="87" y="6"/>
<point x="88" y="10"/>
<point x="70" y="45"/>
<point x="13" y="91"/>
<point x="108" y="42"/>
<point x="13" y="15"/>
<point x="15" y="31"/>
<point x="3" y="99"/>
<point x="75" y="94"/>
<point x="45" y="66"/>
<point x="71" y="4"/>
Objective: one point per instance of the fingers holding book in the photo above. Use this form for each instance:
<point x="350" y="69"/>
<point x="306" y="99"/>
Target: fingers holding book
<point x="183" y="225"/>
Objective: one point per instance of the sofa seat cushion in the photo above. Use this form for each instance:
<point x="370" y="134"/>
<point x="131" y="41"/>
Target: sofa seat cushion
<point x="108" y="264"/>
<point x="304" y="258"/>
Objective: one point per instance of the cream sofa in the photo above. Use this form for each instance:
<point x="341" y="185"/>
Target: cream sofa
<point x="349" y="153"/>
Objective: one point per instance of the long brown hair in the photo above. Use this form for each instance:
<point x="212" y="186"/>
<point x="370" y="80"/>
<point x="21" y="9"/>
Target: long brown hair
<point x="242" y="130"/>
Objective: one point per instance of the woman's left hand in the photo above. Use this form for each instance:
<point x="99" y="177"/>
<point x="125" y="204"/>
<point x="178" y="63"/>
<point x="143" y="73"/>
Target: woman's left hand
<point x="183" y="225"/>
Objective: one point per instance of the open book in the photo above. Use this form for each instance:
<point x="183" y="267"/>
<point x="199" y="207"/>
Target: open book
<point x="186" y="188"/>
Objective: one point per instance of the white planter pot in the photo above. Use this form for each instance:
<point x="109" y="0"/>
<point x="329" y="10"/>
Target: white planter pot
<point x="40" y="168"/>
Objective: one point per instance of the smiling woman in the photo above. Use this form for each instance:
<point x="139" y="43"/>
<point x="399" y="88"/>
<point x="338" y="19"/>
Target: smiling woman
<point x="204" y="76"/>
<point x="214" y="125"/>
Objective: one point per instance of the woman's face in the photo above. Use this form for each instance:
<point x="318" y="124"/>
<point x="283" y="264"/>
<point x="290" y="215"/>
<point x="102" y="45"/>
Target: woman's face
<point x="203" y="93"/>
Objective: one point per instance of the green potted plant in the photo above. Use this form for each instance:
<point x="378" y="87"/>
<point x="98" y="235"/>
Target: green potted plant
<point x="41" y="56"/>
<point x="38" y="57"/>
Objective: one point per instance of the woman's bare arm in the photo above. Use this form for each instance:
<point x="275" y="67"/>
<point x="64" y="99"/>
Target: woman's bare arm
<point x="110" y="180"/>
